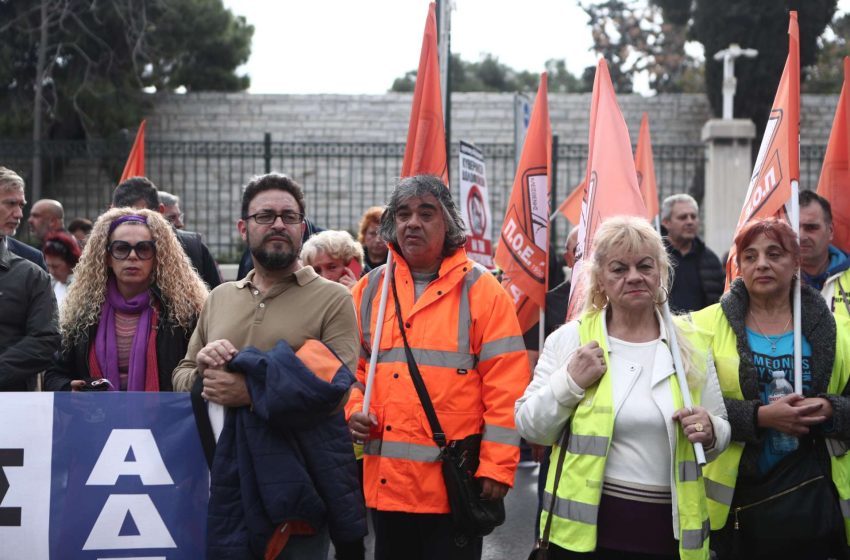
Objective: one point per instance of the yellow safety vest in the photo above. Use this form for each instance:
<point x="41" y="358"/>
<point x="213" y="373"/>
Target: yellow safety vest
<point x="722" y="473"/>
<point x="580" y="488"/>
<point x="836" y="302"/>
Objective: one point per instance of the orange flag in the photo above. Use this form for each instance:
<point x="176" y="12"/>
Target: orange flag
<point x="646" y="170"/>
<point x="425" y="152"/>
<point x="135" y="166"/>
<point x="571" y="207"/>
<point x="611" y="180"/>
<point x="522" y="252"/>
<point x="778" y="160"/>
<point x="834" y="184"/>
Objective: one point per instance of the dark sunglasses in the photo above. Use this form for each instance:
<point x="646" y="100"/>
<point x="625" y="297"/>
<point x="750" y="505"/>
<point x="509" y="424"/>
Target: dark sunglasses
<point x="121" y="250"/>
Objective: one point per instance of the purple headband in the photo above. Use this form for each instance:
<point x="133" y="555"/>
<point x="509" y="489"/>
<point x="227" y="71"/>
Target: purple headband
<point x="124" y="219"/>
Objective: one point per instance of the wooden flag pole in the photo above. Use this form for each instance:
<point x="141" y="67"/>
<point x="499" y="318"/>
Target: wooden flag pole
<point x="376" y="337"/>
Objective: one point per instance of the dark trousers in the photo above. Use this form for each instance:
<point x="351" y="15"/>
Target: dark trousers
<point x="558" y="553"/>
<point x="420" y="536"/>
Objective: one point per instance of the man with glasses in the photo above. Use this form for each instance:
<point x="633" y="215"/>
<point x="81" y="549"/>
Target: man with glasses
<point x="171" y="209"/>
<point x="278" y="300"/>
<point x="29" y="332"/>
<point x="140" y="192"/>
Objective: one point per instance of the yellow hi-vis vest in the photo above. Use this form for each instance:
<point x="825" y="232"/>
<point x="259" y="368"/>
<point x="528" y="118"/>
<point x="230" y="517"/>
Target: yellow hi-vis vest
<point x="722" y="473"/>
<point x="580" y="489"/>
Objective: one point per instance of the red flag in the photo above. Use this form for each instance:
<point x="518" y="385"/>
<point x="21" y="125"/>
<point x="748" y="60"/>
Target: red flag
<point x="834" y="184"/>
<point x="646" y="170"/>
<point x="135" y="166"/>
<point x="778" y="161"/>
<point x="571" y="207"/>
<point x="425" y="152"/>
<point x="611" y="180"/>
<point x="522" y="252"/>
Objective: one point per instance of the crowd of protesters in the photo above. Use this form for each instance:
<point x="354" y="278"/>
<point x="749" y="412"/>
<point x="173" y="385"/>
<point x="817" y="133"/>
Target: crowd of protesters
<point x="135" y="302"/>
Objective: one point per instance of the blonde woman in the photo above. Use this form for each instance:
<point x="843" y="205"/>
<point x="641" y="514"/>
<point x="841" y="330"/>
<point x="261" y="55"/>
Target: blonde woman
<point x="335" y="256"/>
<point x="629" y="486"/>
<point x="133" y="305"/>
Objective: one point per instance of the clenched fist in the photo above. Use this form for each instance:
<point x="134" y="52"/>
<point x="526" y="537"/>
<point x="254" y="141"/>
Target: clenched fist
<point x="587" y="365"/>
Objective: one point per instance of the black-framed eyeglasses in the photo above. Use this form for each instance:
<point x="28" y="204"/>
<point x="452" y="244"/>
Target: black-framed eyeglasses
<point x="145" y="250"/>
<point x="268" y="218"/>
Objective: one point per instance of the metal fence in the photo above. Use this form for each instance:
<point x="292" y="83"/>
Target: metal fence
<point x="341" y="179"/>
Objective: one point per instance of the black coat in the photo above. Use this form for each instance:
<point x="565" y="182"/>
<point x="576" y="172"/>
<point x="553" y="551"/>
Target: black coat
<point x="73" y="363"/>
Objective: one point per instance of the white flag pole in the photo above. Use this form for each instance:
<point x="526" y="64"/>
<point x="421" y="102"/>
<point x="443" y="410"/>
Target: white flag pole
<point x="699" y="452"/>
<point x="376" y="336"/>
<point x="798" y="331"/>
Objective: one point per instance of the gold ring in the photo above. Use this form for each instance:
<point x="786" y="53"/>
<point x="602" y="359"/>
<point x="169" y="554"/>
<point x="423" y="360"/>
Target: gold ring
<point x="698" y="426"/>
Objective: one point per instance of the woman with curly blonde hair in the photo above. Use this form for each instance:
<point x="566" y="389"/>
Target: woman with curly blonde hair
<point x="133" y="305"/>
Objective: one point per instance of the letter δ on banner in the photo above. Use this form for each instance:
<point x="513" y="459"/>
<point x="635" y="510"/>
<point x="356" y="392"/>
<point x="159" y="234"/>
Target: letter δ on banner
<point x="475" y="204"/>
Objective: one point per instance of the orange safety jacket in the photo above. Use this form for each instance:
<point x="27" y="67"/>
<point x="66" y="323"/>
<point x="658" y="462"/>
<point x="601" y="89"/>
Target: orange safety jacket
<point x="466" y="340"/>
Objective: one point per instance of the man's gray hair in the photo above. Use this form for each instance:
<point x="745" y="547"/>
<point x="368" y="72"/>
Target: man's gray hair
<point x="419" y="186"/>
<point x="672" y="200"/>
<point x="9" y="180"/>
<point x="167" y="199"/>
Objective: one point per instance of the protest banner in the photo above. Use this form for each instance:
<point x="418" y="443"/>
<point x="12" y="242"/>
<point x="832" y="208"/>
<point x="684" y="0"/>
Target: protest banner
<point x="101" y="476"/>
<point x="475" y="204"/>
<point x="135" y="166"/>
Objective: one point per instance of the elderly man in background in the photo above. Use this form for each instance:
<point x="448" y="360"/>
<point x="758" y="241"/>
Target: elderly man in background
<point x="171" y="210"/>
<point x="465" y="339"/>
<point x="47" y="216"/>
<point x="29" y="331"/>
<point x="698" y="278"/>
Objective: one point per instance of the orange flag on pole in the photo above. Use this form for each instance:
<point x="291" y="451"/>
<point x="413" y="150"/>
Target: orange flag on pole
<point x="646" y="170"/>
<point x="135" y="166"/>
<point x="778" y="161"/>
<point x="524" y="240"/>
<point x="571" y="207"/>
<point x="425" y="152"/>
<point x="834" y="184"/>
<point x="611" y="186"/>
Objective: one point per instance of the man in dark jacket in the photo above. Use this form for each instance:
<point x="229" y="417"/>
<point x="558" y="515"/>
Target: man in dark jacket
<point x="698" y="275"/>
<point x="29" y="332"/>
<point x="140" y="192"/>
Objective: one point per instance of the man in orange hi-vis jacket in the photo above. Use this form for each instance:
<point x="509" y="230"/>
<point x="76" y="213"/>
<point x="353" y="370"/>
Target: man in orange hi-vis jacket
<point x="466" y="341"/>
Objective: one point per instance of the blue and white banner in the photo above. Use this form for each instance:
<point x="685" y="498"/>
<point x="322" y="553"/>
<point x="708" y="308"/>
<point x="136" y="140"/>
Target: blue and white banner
<point x="101" y="476"/>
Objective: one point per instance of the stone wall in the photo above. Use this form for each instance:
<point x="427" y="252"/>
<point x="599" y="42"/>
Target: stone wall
<point x="477" y="117"/>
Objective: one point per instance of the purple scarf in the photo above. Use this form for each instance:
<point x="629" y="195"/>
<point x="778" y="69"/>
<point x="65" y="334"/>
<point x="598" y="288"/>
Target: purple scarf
<point x="106" y="346"/>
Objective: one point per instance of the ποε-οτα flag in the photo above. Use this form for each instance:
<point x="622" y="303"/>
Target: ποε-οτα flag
<point x="571" y="207"/>
<point x="524" y="239"/>
<point x="135" y="166"/>
<point x="611" y="185"/>
<point x="834" y="184"/>
<point x="425" y="151"/>
<point x="778" y="160"/>
<point x="646" y="170"/>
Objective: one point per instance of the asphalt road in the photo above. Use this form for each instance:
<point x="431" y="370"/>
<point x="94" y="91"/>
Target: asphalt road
<point x="514" y="539"/>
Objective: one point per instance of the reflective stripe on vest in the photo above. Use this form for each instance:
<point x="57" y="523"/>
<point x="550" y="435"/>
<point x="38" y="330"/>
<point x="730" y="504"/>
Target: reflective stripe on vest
<point x="372" y="285"/>
<point x="580" y="488"/>
<point x="721" y="474"/>
<point x="402" y="450"/>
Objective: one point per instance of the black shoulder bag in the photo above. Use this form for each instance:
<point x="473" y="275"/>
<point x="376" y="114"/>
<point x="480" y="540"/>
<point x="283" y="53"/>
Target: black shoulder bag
<point x="471" y="515"/>
<point x="541" y="547"/>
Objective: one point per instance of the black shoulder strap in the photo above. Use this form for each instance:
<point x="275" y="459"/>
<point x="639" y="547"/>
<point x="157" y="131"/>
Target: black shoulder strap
<point x="418" y="382"/>
<point x="544" y="538"/>
<point x="202" y="420"/>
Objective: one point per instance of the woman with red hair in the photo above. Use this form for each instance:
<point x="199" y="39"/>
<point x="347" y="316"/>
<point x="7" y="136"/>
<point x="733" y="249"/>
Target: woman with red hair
<point x="781" y="488"/>
<point x="61" y="254"/>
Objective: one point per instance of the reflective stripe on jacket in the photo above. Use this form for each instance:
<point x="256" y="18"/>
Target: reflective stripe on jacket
<point x="721" y="474"/>
<point x="574" y="525"/>
<point x="467" y="343"/>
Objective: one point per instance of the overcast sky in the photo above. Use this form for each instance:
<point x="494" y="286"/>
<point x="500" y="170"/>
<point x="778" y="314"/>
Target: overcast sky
<point x="342" y="46"/>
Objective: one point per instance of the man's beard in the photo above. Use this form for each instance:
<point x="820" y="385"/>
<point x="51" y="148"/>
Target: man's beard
<point x="272" y="260"/>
